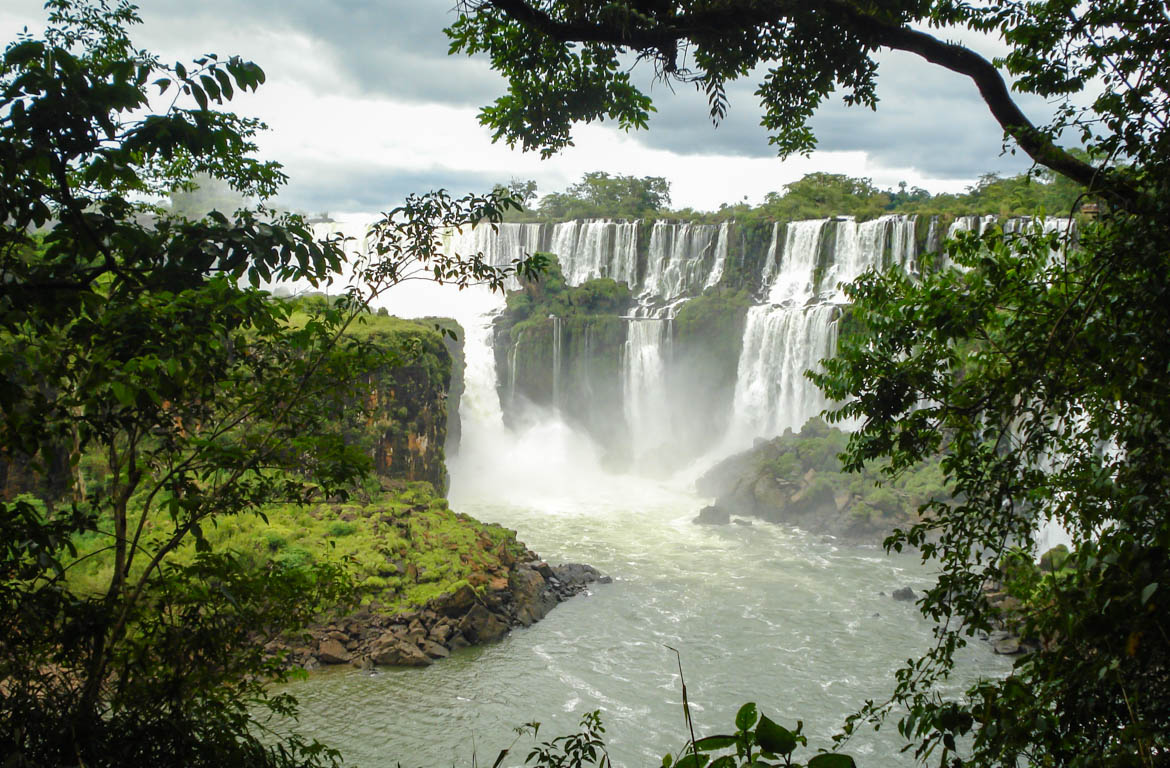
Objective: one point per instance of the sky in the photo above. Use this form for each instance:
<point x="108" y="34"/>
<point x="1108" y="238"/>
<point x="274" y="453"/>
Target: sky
<point x="364" y="106"/>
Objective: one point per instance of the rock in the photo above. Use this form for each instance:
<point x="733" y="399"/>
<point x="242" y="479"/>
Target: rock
<point x="441" y="631"/>
<point x="741" y="521"/>
<point x="332" y="652"/>
<point x="310" y="664"/>
<point x="457" y="642"/>
<point x="364" y="663"/>
<point x="392" y="652"/>
<point x="543" y="568"/>
<point x="904" y="594"/>
<point x="458" y="603"/>
<point x="482" y="626"/>
<point x="533" y="601"/>
<point x="434" y="650"/>
<point x="577" y="574"/>
<point x="1007" y="646"/>
<point x="713" y="515"/>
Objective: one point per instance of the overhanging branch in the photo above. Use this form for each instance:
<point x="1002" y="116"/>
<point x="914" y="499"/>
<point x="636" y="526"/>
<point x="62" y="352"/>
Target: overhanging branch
<point x="661" y="39"/>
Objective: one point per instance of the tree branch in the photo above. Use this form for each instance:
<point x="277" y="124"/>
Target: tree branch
<point x="746" y="17"/>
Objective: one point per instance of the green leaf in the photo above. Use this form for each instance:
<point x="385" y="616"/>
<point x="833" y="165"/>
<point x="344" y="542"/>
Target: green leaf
<point x="711" y="743"/>
<point x="746" y="717"/>
<point x="692" y="760"/>
<point x="1149" y="591"/>
<point x="123" y="393"/>
<point x="774" y="738"/>
<point x="831" y="760"/>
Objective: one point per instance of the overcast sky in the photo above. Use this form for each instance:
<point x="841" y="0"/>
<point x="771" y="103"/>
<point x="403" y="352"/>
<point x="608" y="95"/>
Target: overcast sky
<point x="364" y="106"/>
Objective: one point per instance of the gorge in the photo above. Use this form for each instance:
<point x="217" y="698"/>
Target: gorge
<point x="585" y="431"/>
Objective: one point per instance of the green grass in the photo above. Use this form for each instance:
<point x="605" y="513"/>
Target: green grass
<point x="402" y="548"/>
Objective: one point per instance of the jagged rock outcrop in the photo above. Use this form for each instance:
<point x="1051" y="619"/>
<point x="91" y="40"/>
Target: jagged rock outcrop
<point x="455" y="620"/>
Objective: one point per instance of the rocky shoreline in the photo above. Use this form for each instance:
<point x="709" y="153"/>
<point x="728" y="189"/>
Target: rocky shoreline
<point x="368" y="638"/>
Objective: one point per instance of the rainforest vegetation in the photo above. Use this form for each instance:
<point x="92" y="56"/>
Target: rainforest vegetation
<point x="159" y="404"/>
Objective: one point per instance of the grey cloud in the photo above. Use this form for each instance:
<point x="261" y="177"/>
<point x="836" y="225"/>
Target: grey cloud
<point x="928" y="118"/>
<point x="393" y="48"/>
<point x="332" y="188"/>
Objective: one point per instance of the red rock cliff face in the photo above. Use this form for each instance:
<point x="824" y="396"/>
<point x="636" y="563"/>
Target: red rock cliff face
<point x="410" y="407"/>
<point x="408" y="410"/>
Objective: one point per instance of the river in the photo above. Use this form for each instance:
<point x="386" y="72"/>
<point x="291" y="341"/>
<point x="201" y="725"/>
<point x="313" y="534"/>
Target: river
<point x="797" y="623"/>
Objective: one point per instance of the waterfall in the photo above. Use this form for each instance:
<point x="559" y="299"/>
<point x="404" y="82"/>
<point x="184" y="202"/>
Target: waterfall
<point x="768" y="273"/>
<point x="779" y="345"/>
<point x="556" y="362"/>
<point x="677" y="262"/>
<point x="588" y="250"/>
<point x="798" y="262"/>
<point x="861" y="247"/>
<point x="644" y="385"/>
<point x="513" y="355"/>
<point x="721" y="245"/>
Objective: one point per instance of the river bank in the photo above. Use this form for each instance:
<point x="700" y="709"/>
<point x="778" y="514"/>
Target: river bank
<point x="466" y="617"/>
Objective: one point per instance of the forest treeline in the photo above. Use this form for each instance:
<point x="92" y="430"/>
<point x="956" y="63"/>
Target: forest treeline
<point x="817" y="195"/>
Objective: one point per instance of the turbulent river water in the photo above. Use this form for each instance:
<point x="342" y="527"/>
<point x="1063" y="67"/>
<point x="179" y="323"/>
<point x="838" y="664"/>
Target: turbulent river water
<point x="797" y="623"/>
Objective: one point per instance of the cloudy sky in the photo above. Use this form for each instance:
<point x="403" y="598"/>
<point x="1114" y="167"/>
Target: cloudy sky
<point x="364" y="106"/>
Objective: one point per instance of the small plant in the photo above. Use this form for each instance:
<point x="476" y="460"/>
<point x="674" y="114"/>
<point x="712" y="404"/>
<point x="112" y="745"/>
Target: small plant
<point x="757" y="741"/>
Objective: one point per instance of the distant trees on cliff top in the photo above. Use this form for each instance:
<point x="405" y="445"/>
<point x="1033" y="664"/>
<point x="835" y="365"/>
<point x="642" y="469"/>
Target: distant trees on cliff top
<point x="816" y="195"/>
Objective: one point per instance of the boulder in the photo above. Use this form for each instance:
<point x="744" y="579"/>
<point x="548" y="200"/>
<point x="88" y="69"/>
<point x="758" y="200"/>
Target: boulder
<point x="392" y="652"/>
<point x="904" y="594"/>
<point x="332" y="652"/>
<point x="457" y="603"/>
<point x="434" y="650"/>
<point x="1007" y="646"/>
<point x="713" y="515"/>
<point x="482" y="626"/>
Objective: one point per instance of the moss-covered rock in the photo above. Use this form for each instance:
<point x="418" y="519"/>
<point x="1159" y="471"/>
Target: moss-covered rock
<point x="796" y="479"/>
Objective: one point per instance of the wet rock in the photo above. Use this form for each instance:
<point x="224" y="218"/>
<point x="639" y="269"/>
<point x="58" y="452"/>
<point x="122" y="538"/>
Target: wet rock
<point x="713" y="515"/>
<point x="482" y="626"/>
<point x="1007" y="646"/>
<point x="434" y="650"/>
<point x="392" y="652"/>
<point x="904" y="594"/>
<point x="332" y="652"/>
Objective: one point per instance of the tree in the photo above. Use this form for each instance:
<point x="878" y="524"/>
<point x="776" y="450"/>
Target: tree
<point x="140" y="344"/>
<point x="1035" y="371"/>
<point x="599" y="194"/>
<point x="524" y="192"/>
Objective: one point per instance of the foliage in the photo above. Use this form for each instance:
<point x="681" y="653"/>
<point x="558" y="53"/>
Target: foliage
<point x="599" y="195"/>
<point x="548" y="295"/>
<point x="1083" y="446"/>
<point x="139" y="345"/>
<point x="757" y="741"/>
<point x="818" y="195"/>
<point x="398" y="547"/>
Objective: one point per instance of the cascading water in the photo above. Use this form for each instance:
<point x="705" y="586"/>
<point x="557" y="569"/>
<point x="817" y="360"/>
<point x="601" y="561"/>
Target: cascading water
<point x="797" y="266"/>
<point x="721" y="246"/>
<point x="590" y="249"/>
<point x="799" y="624"/>
<point x="779" y="345"/>
<point x="644" y="380"/>
<point x="679" y="259"/>
<point x="557" y="364"/>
